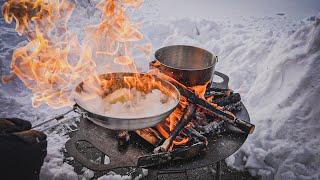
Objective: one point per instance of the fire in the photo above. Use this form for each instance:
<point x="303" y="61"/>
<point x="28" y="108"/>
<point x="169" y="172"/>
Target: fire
<point x="200" y="90"/>
<point x="123" y="60"/>
<point x="170" y="123"/>
<point x="54" y="61"/>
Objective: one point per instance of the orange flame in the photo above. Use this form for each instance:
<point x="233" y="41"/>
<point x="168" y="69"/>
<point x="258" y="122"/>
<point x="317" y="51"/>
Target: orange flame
<point x="170" y="123"/>
<point x="167" y="127"/>
<point x="54" y="61"/>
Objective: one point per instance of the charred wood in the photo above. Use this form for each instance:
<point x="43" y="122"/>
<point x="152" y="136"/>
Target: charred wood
<point x="165" y="157"/>
<point x="218" y="94"/>
<point x="194" y="133"/>
<point x="233" y="107"/>
<point x="228" y="100"/>
<point x="149" y="136"/>
<point x="214" y="127"/>
<point x="186" y="118"/>
<point x="213" y="108"/>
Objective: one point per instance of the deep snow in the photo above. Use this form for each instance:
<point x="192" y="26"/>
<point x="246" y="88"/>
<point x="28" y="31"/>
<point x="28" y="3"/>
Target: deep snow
<point x="273" y="61"/>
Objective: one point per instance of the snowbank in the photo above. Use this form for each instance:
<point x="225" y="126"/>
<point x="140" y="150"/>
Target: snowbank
<point x="283" y="100"/>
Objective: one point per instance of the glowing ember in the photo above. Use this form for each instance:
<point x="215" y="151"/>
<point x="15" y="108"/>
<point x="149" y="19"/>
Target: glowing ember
<point x="167" y="127"/>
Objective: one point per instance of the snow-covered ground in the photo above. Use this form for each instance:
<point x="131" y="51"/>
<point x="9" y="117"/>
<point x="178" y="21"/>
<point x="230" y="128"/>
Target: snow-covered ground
<point x="272" y="60"/>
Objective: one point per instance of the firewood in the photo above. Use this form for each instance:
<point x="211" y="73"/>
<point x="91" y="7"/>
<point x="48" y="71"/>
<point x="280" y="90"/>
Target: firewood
<point x="186" y="118"/>
<point x="213" y="108"/>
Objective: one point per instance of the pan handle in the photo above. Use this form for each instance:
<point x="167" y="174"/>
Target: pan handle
<point x="74" y="152"/>
<point x="223" y="84"/>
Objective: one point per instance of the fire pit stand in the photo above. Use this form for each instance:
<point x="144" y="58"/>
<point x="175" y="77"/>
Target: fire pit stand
<point x="219" y="147"/>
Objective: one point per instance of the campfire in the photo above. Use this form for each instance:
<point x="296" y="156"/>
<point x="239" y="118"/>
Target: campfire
<point x="187" y="131"/>
<point x="54" y="65"/>
<point x="188" y="124"/>
<point x="202" y="113"/>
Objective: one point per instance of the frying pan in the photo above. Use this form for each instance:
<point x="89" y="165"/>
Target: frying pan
<point x="133" y="123"/>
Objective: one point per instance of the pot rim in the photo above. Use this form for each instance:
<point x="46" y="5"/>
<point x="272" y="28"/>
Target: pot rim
<point x="215" y="58"/>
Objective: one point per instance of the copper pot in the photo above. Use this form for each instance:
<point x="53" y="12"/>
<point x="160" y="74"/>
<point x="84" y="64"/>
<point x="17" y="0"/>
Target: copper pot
<point x="189" y="65"/>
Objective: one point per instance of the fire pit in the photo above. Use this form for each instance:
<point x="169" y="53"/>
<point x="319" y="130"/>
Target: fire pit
<point x="219" y="147"/>
<point x="208" y="125"/>
<point x="202" y="126"/>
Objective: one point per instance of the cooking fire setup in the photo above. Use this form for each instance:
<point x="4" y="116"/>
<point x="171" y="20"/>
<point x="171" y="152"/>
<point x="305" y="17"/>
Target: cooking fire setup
<point x="205" y="123"/>
<point x="169" y="119"/>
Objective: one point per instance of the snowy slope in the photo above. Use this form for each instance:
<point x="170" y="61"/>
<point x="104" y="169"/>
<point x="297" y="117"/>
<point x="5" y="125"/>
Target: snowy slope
<point x="273" y="61"/>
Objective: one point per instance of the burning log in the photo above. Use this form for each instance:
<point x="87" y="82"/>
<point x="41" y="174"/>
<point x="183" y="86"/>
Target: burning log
<point x="186" y="118"/>
<point x="149" y="135"/>
<point x="212" y="108"/>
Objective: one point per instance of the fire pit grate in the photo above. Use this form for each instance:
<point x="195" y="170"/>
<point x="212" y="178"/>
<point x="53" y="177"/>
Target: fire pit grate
<point x="218" y="148"/>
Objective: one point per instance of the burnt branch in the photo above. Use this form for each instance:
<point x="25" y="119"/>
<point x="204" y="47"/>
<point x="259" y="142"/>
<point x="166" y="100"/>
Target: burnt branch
<point x="213" y="108"/>
<point x="232" y="99"/>
<point x="149" y="135"/>
<point x="186" y="118"/>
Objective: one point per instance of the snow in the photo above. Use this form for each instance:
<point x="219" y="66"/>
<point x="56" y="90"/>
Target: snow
<point x="54" y="167"/>
<point x="114" y="176"/>
<point x="283" y="99"/>
<point x="273" y="62"/>
<point x="87" y="173"/>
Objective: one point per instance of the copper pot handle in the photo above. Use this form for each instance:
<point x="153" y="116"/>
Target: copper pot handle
<point x="222" y="85"/>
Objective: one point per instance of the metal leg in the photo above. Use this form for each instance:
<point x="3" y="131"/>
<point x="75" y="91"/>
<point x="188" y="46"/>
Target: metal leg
<point x="152" y="175"/>
<point x="218" y="173"/>
<point x="186" y="174"/>
<point x="102" y="158"/>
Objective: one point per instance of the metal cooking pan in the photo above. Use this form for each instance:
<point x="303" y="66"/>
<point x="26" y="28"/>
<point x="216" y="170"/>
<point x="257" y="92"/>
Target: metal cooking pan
<point x="124" y="123"/>
<point x="189" y="65"/>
